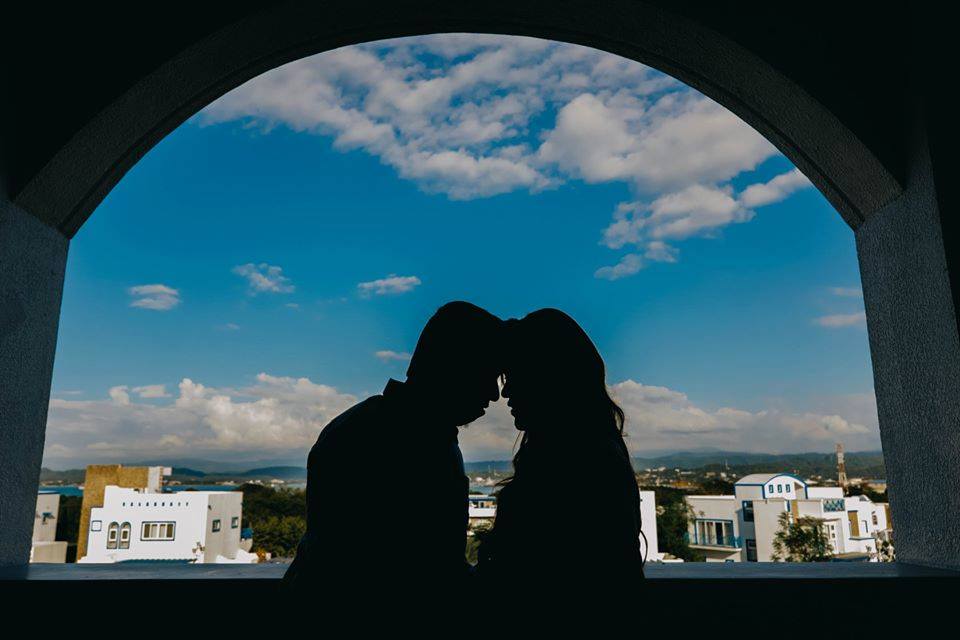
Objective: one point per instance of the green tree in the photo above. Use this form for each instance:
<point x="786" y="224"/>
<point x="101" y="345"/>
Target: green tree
<point x="278" y="518"/>
<point x="478" y="533"/>
<point x="261" y="502"/>
<point x="279" y="536"/>
<point x="802" y="539"/>
<point x="714" y="487"/>
<point x="673" y="519"/>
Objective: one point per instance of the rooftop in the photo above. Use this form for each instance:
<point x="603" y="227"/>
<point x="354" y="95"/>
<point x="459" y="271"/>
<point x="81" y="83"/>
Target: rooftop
<point x="764" y="478"/>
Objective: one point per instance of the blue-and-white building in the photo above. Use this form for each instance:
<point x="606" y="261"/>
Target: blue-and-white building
<point x="741" y="527"/>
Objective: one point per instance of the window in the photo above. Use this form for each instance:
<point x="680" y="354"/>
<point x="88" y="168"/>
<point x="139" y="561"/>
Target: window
<point x="779" y="488"/>
<point x="876" y="522"/>
<point x="830" y="527"/>
<point x="770" y="489"/>
<point x="714" y="533"/>
<point x="751" y="550"/>
<point x="112" y="532"/>
<point x="96" y="525"/>
<point x="235" y="522"/>
<point x="216" y="524"/>
<point x="125" y="535"/>
<point x="157" y="531"/>
<point x="747" y="506"/>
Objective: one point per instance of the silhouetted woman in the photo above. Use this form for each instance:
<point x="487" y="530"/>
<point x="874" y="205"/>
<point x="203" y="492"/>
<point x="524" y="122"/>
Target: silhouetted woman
<point x="571" y="512"/>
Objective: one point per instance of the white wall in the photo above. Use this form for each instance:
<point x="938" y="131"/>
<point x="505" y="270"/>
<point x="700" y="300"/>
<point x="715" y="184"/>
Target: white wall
<point x="648" y="525"/>
<point x="193" y="513"/>
<point x="45" y="529"/>
<point x="766" y="514"/>
<point x="224" y="506"/>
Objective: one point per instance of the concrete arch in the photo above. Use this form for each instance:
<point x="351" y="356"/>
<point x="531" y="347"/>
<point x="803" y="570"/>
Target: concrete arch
<point x="855" y="99"/>
<point x="73" y="182"/>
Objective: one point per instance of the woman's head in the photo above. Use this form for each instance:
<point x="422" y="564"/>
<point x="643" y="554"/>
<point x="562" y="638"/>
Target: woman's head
<point x="555" y="380"/>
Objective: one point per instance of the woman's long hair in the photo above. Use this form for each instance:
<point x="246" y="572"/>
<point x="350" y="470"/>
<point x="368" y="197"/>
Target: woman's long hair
<point x="566" y="366"/>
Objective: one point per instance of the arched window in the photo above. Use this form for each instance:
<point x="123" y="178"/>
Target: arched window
<point x="112" y="534"/>
<point x="125" y="535"/>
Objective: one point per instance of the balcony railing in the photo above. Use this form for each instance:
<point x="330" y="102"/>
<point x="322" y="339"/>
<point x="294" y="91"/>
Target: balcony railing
<point x="727" y="542"/>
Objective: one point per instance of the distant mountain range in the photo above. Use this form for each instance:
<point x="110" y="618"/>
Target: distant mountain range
<point x="859" y="463"/>
<point x="188" y="474"/>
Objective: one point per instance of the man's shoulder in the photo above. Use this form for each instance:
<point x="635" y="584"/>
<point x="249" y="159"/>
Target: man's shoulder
<point x="352" y="424"/>
<point x="364" y="411"/>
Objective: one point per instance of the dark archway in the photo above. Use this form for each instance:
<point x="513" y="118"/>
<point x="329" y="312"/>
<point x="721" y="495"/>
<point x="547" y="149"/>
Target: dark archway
<point x="74" y="181"/>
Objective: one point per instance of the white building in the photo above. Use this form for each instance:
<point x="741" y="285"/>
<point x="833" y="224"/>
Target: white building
<point x="741" y="527"/>
<point x="481" y="508"/>
<point x="45" y="547"/>
<point x="190" y="526"/>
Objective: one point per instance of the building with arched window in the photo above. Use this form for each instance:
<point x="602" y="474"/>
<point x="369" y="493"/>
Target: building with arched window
<point x="190" y="526"/>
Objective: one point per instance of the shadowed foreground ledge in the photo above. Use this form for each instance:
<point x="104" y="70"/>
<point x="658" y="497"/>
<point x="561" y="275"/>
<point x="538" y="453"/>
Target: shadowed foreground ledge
<point x="688" y="572"/>
<point x="855" y="597"/>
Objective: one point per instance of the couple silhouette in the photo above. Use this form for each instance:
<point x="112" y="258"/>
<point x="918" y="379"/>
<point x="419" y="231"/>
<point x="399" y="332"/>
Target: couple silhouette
<point x="568" y="517"/>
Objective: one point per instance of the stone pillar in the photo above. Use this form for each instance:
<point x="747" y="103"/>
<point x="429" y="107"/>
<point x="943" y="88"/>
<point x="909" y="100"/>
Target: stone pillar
<point x="916" y="366"/>
<point x="33" y="257"/>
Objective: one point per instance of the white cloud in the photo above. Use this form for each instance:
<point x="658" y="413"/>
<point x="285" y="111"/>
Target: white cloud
<point x="492" y="437"/>
<point x="157" y="297"/>
<point x="469" y="116"/>
<point x="281" y="415"/>
<point x="274" y="415"/>
<point x="627" y="266"/>
<point x="840" y="320"/>
<point x="695" y="210"/>
<point x="660" y="419"/>
<point x="465" y="120"/>
<point x="680" y="139"/>
<point x="152" y="391"/>
<point x="847" y="292"/>
<point x="777" y="189"/>
<point x="119" y="395"/>
<point x="660" y="251"/>
<point x="264" y="278"/>
<point x="386" y="355"/>
<point x="391" y="285"/>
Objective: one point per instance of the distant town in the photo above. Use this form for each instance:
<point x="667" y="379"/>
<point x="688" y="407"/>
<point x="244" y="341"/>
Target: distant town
<point x="695" y="506"/>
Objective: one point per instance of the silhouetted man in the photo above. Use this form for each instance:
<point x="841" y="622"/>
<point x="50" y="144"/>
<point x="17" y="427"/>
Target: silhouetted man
<point x="386" y="490"/>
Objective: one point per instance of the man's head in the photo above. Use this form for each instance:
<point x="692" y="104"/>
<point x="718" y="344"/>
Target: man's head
<point x="456" y="363"/>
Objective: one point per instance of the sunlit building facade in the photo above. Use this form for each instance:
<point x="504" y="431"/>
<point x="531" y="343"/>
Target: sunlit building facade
<point x="742" y="527"/>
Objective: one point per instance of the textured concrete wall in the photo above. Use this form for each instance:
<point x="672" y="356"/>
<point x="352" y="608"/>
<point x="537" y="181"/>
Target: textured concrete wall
<point x="32" y="261"/>
<point x="916" y="366"/>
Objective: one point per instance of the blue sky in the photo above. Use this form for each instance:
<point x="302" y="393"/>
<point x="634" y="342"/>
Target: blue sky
<point x="272" y="260"/>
